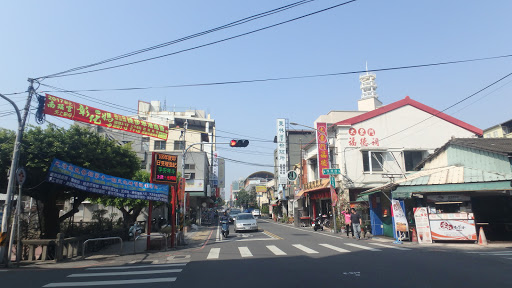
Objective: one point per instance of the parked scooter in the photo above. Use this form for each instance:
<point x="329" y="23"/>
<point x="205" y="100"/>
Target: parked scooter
<point x="134" y="231"/>
<point x="317" y="223"/>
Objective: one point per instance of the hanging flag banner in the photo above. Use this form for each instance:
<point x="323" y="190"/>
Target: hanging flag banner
<point x="63" y="108"/>
<point x="323" y="150"/>
<point x="67" y="174"/>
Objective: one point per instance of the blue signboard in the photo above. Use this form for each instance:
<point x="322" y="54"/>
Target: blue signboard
<point x="91" y="181"/>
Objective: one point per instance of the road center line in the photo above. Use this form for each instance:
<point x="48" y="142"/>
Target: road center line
<point x="111" y="282"/>
<point x="244" y="252"/>
<point x="305" y="249"/>
<point x="143" y="272"/>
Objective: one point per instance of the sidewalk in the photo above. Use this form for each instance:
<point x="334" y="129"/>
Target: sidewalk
<point x="115" y="255"/>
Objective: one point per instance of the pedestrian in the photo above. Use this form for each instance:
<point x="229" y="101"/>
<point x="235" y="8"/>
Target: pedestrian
<point x="356" y="220"/>
<point x="348" y="222"/>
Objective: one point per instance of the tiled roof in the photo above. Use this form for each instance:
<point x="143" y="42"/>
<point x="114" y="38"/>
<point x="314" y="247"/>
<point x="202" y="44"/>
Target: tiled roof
<point x="408" y="101"/>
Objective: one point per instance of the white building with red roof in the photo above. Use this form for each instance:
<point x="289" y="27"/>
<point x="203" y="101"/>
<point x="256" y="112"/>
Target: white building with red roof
<point x="376" y="143"/>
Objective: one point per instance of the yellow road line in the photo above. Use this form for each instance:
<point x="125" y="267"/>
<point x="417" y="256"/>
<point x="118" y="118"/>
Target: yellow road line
<point x="272" y="235"/>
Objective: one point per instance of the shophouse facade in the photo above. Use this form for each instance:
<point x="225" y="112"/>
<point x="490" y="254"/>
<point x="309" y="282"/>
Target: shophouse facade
<point x="462" y="187"/>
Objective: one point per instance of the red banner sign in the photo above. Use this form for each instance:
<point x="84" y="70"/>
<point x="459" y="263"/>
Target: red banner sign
<point x="323" y="149"/>
<point x="60" y="107"/>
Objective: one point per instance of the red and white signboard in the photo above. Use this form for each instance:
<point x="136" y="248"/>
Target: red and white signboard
<point x="323" y="149"/>
<point x="422" y="225"/>
<point x="453" y="229"/>
<point x="61" y="107"/>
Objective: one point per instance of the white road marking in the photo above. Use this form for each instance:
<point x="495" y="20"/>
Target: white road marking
<point x="244" y="252"/>
<point x="307" y="230"/>
<point x="257" y="239"/>
<point x="218" y="234"/>
<point x="3" y="270"/>
<point x="334" y="248"/>
<point x="136" y="267"/>
<point x="156" y="261"/>
<point x="381" y="240"/>
<point x="389" y="246"/>
<point x="500" y="254"/>
<point x="362" y="247"/>
<point x="214" y="253"/>
<point x="304" y="248"/>
<point x="491" y="252"/>
<point x="275" y="250"/>
<point x="143" y="272"/>
<point x="111" y="282"/>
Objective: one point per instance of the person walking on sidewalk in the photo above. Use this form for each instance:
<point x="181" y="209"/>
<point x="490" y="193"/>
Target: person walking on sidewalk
<point x="356" y="220"/>
<point x="347" y="222"/>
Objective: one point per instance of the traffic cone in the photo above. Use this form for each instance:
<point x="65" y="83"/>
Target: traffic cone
<point x="481" y="237"/>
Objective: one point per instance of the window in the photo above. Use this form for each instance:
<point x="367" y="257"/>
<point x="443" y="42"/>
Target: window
<point x="376" y="160"/>
<point x="159" y="145"/>
<point x="412" y="159"/>
<point x="190" y="166"/>
<point x="179" y="145"/>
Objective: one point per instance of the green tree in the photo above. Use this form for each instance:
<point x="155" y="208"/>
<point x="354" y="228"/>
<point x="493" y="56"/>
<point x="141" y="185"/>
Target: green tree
<point x="74" y="145"/>
<point x="130" y="208"/>
<point x="7" y="138"/>
<point x="245" y="199"/>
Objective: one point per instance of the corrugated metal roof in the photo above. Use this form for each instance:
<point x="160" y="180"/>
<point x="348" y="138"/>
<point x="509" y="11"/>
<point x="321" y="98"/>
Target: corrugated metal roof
<point x="445" y="175"/>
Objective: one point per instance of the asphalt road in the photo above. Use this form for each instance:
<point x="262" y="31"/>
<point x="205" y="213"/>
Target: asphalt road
<point x="285" y="256"/>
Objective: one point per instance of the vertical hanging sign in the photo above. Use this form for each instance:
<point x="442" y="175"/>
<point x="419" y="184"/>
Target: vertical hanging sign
<point x="281" y="151"/>
<point x="323" y="151"/>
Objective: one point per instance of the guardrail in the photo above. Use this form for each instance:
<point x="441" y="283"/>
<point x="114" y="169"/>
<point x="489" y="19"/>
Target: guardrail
<point x="51" y="249"/>
<point x="100" y="239"/>
<point x="146" y="236"/>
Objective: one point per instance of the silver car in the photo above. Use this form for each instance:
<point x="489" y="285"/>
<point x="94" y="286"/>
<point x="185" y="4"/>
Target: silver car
<point x="245" y="222"/>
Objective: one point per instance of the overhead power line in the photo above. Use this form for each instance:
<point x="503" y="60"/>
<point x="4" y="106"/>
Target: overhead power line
<point x="288" y="78"/>
<point x="162" y="45"/>
<point x="62" y="74"/>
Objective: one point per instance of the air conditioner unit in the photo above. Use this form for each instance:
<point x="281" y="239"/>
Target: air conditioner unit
<point x="187" y="176"/>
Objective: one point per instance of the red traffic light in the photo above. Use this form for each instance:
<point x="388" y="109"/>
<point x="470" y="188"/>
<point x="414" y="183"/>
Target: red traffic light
<point x="239" y="143"/>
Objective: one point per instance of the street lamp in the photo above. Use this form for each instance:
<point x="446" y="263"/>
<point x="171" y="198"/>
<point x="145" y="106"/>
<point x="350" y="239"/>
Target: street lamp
<point x="329" y="161"/>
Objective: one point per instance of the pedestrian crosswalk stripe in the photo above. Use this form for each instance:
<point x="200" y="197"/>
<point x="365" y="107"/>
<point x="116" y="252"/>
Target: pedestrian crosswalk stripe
<point x="214" y="253"/>
<point x="244" y="252"/>
<point x="501" y="254"/>
<point x="143" y="272"/>
<point x="275" y="250"/>
<point x="389" y="246"/>
<point x="362" y="247"/>
<point x="334" y="248"/>
<point x="490" y="252"/>
<point x="304" y="248"/>
<point x="111" y="282"/>
<point x="136" y="267"/>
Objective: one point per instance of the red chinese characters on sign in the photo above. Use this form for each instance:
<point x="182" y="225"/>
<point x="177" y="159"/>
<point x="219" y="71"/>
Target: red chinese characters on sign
<point x="60" y="107"/>
<point x="362" y="137"/>
<point x="323" y="152"/>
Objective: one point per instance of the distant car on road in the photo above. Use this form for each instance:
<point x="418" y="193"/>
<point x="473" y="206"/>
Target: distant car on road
<point x="245" y="222"/>
<point x="233" y="213"/>
<point x="256" y="213"/>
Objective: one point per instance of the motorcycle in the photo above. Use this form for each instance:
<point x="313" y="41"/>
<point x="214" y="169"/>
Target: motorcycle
<point x="317" y="223"/>
<point x="225" y="227"/>
<point x="134" y="231"/>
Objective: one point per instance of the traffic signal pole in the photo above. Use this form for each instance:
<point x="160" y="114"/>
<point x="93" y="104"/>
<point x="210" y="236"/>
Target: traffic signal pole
<point x="14" y="166"/>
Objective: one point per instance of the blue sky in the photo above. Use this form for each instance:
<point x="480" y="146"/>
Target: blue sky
<point x="44" y="37"/>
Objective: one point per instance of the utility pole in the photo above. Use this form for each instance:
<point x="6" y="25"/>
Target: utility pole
<point x="14" y="166"/>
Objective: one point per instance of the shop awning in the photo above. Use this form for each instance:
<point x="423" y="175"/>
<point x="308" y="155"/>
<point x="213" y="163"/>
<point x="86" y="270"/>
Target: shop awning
<point x="323" y="186"/>
<point x="446" y="179"/>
